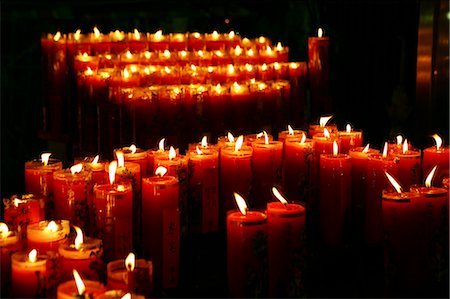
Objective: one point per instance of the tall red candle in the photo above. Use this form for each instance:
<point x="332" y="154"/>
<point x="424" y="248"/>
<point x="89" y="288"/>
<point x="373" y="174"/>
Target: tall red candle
<point x="161" y="227"/>
<point x="350" y="139"/>
<point x="408" y="165"/>
<point x="334" y="196"/>
<point x="19" y="211"/>
<point x="246" y="240"/>
<point x="436" y="155"/>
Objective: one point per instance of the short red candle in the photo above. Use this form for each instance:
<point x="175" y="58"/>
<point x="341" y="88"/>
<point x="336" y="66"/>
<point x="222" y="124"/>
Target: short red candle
<point x="161" y="228"/>
<point x="23" y="210"/>
<point x="334" y="197"/>
<point x="294" y="134"/>
<point x="350" y="140"/>
<point x="408" y="163"/>
<point x="47" y="238"/>
<point x="121" y="278"/>
<point x="246" y="236"/>
<point x="28" y="276"/>
<point x="68" y="289"/>
<point x="286" y="239"/>
<point x="136" y="155"/>
<point x="9" y="243"/>
<point x="39" y="177"/>
<point x="433" y="156"/>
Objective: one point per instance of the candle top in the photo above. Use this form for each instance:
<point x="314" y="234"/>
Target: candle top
<point x="245" y="152"/>
<point x="114" y="189"/>
<point x="117" y="294"/>
<point x="434" y="149"/>
<point x="160" y="180"/>
<point x="428" y="191"/>
<point x="278" y="209"/>
<point x="20" y="259"/>
<point x="69" y="289"/>
<point x="357" y="152"/>
<point x="251" y="218"/>
<point x="66" y="174"/>
<point x="89" y="247"/>
<point x="399" y="197"/>
<point x="48" y="231"/>
<point x="7" y="239"/>
<point x="270" y="145"/>
<point x="91" y="163"/>
<point x="53" y="164"/>
<point x="335" y="157"/>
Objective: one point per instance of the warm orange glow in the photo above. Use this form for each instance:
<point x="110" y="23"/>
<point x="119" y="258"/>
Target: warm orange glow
<point x="172" y="153"/>
<point x="323" y="120"/>
<point x="250" y="52"/>
<point x="264" y="67"/>
<point x="120" y="159"/>
<point x="230" y="137"/>
<point x="118" y="35"/>
<point x="399" y="139"/>
<point x="239" y="143"/>
<point x="196" y="34"/>
<point x="326" y="133"/>
<point x="4" y="231"/>
<point x="262" y="86"/>
<point x="279" y="47"/>
<point x="158" y="35"/>
<point x="160" y="171"/>
<point x="183" y="54"/>
<point x="137" y="35"/>
<point x="130" y="261"/>
<point x="215" y="35"/>
<point x="167" y="70"/>
<point x="96" y="33"/>
<point x="77" y="34"/>
<point x="112" y="171"/>
<point x="45" y="157"/>
<point x="51" y="227"/>
<point x="147" y="54"/>
<point x="293" y="65"/>
<point x="438" y="140"/>
<point x="385" y="150"/>
<point x="79" y="239"/>
<point x="348" y="128"/>
<point x="394" y="183"/>
<point x="276" y="66"/>
<point x="231" y="35"/>
<point x="366" y="149"/>
<point x="81" y="288"/>
<point x="279" y="196"/>
<point x="133" y="148"/>
<point x="204" y="141"/>
<point x="88" y="72"/>
<point x="269" y="50"/>
<point x="32" y="256"/>
<point x="248" y="67"/>
<point x="237" y="51"/>
<point x="200" y="53"/>
<point x="290" y="130"/>
<point x="335" y="149"/>
<point x="18" y="201"/>
<point x="76" y="168"/>
<point x="57" y="36"/>
<point x="430" y="177"/>
<point x="126" y="296"/>
<point x="95" y="161"/>
<point x="261" y="39"/>
<point x="126" y="74"/>
<point x="219" y="53"/>
<point x="242" y="205"/>
<point x="236" y="87"/>
<point x="199" y="151"/>
<point x="405" y="146"/>
<point x="303" y="138"/>
<point x="166" y="53"/>
<point x="230" y="69"/>
<point x="320" y="32"/>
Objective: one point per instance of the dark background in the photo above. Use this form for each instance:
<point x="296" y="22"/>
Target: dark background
<point x="373" y="55"/>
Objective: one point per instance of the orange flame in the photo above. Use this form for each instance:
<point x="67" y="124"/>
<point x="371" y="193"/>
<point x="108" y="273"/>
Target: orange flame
<point x="293" y="65"/>
<point x="230" y="69"/>
<point x="133" y="148"/>
<point x="172" y="153"/>
<point x="88" y="72"/>
<point x="291" y="131"/>
<point x="137" y="35"/>
<point x="279" y="196"/>
<point x="112" y="171"/>
<point x="215" y="35"/>
<point x="323" y="120"/>
<point x="326" y="133"/>
<point x="239" y="143"/>
<point x="199" y="151"/>
<point x="230" y="137"/>
<point x="385" y="150"/>
<point x="96" y="33"/>
<point x="237" y="51"/>
<point x="204" y="141"/>
<point x="126" y="296"/>
<point x="405" y="146"/>
<point x="335" y="149"/>
<point x="348" y="128"/>
<point x="79" y="282"/>
<point x="279" y="47"/>
<point x="95" y="161"/>
<point x="32" y="256"/>
<point x="320" y="32"/>
<point x="399" y="139"/>
<point x="303" y="138"/>
<point x="57" y="36"/>
<point x="51" y="227"/>
<point x="45" y="157"/>
<point x="79" y="239"/>
<point x="438" y="140"/>
<point x="130" y="261"/>
<point x="430" y="177"/>
<point x="161" y="144"/>
<point x="394" y="182"/>
<point x="77" y="34"/>
<point x="231" y="35"/>
<point x="4" y="231"/>
<point x="76" y="168"/>
<point x="266" y="137"/>
<point x="160" y="171"/>
<point x="242" y="205"/>
<point x="366" y="149"/>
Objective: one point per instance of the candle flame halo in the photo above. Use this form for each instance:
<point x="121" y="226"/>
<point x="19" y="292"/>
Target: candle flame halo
<point x="57" y="36"/>
<point x="95" y="161"/>
<point x="279" y="196"/>
<point x="79" y="239"/>
<point x="130" y="261"/>
<point x="303" y="140"/>
<point x="320" y="32"/>
<point x="348" y="128"/>
<point x="326" y="133"/>
<point x="394" y="183"/>
<point x="242" y="205"/>
<point x="133" y="148"/>
<point x="96" y="32"/>
<point x="438" y="140"/>
<point x="161" y="144"/>
<point x="204" y="142"/>
<point x="32" y="256"/>
<point x="160" y="171"/>
<point x="230" y="137"/>
<point x="266" y="138"/>
<point x="51" y="227"/>
<point x="399" y="139"/>
<point x="77" y="34"/>
<point x="430" y="177"/>
<point x="137" y="35"/>
<point x="81" y="288"/>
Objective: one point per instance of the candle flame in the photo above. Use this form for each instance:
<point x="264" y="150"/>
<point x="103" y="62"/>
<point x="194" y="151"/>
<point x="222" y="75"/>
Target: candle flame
<point x="262" y="86"/>
<point x="160" y="171"/>
<point x="276" y="66"/>
<point x="4" y="231"/>
<point x="230" y="137"/>
<point x="172" y="153"/>
<point x="293" y="65"/>
<point x="242" y="205"/>
<point x="112" y="171"/>
<point x="158" y="35"/>
<point x="183" y="53"/>
<point x="200" y="53"/>
<point x="405" y="146"/>
<point x="230" y="69"/>
<point x="326" y="133"/>
<point x="335" y="149"/>
<point x="76" y="168"/>
<point x="79" y="239"/>
<point x="166" y="53"/>
<point x="219" y="53"/>
<point x="231" y="35"/>
<point x="264" y="67"/>
<point x="126" y="74"/>
<point x="118" y="35"/>
<point x="259" y="135"/>
<point x="438" y="140"/>
<point x="199" y="151"/>
<point x="130" y="261"/>
<point x="57" y="36"/>
<point x="320" y="32"/>
<point x="96" y="32"/>
<point x="238" y="51"/>
<point x="51" y="227"/>
<point x="79" y="282"/>
<point x="133" y="148"/>
<point x="291" y="131"/>
<point x="32" y="256"/>
<point x="95" y="161"/>
<point x="120" y="159"/>
<point x="348" y="128"/>
<point x="366" y="149"/>
<point x="167" y="70"/>
<point x="161" y="144"/>
<point x="266" y="137"/>
<point x="77" y="34"/>
<point x="250" y="52"/>
<point x="279" y="196"/>
<point x="239" y="143"/>
<point x="430" y="177"/>
<point x="45" y="157"/>
<point x="279" y="47"/>
<point x="137" y="35"/>
<point x="303" y="138"/>
<point x="269" y="50"/>
<point x="205" y="141"/>
<point x="88" y="72"/>
<point x="196" y="34"/>
<point x="323" y="120"/>
<point x="18" y="201"/>
<point x="394" y="183"/>
<point x="261" y="39"/>
<point x="126" y="296"/>
<point x="215" y="35"/>
<point x="399" y="139"/>
<point x="385" y="150"/>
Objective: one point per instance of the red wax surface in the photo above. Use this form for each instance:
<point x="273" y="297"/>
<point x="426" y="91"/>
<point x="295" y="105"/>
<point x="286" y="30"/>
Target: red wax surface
<point x="244" y="234"/>
<point x="334" y="197"/>
<point x="349" y="140"/>
<point x="39" y="177"/>
<point x="408" y="168"/>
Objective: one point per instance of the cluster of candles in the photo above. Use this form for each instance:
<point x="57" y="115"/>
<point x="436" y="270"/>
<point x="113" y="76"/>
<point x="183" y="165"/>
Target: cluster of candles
<point x="149" y="200"/>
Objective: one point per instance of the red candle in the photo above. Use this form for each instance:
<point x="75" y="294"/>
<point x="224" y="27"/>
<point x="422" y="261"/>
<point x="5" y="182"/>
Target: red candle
<point x="235" y="174"/>
<point x="298" y="168"/>
<point x="246" y="241"/>
<point x="323" y="143"/>
<point x="128" y="172"/>
<point x="137" y="42"/>
<point x="266" y="169"/>
<point x="9" y="243"/>
<point x="78" y="287"/>
<point x="29" y="273"/>
<point x="96" y="169"/>
<point x="71" y="195"/>
<point x="323" y="123"/>
<point x="408" y="165"/>
<point x="286" y="240"/>
<point x="359" y="161"/>
<point x="114" y="215"/>
<point x="157" y="41"/>
<point x="204" y="185"/>
<point x="243" y="105"/>
<point x="47" y="235"/>
<point x="195" y="41"/>
<point x="377" y="164"/>
<point x="161" y="227"/>
<point x="214" y="41"/>
<point x="290" y="134"/>
<point x="350" y="139"/>
<point x="137" y="155"/>
<point x="83" y="255"/>
<point x="23" y="210"/>
<point x="251" y="138"/>
<point x="334" y="196"/>
<point x="84" y="61"/>
<point x="436" y="155"/>
<point x="39" y="175"/>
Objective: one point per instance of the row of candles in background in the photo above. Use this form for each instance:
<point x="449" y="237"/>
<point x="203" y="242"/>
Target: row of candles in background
<point x="132" y="60"/>
<point x="339" y="182"/>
